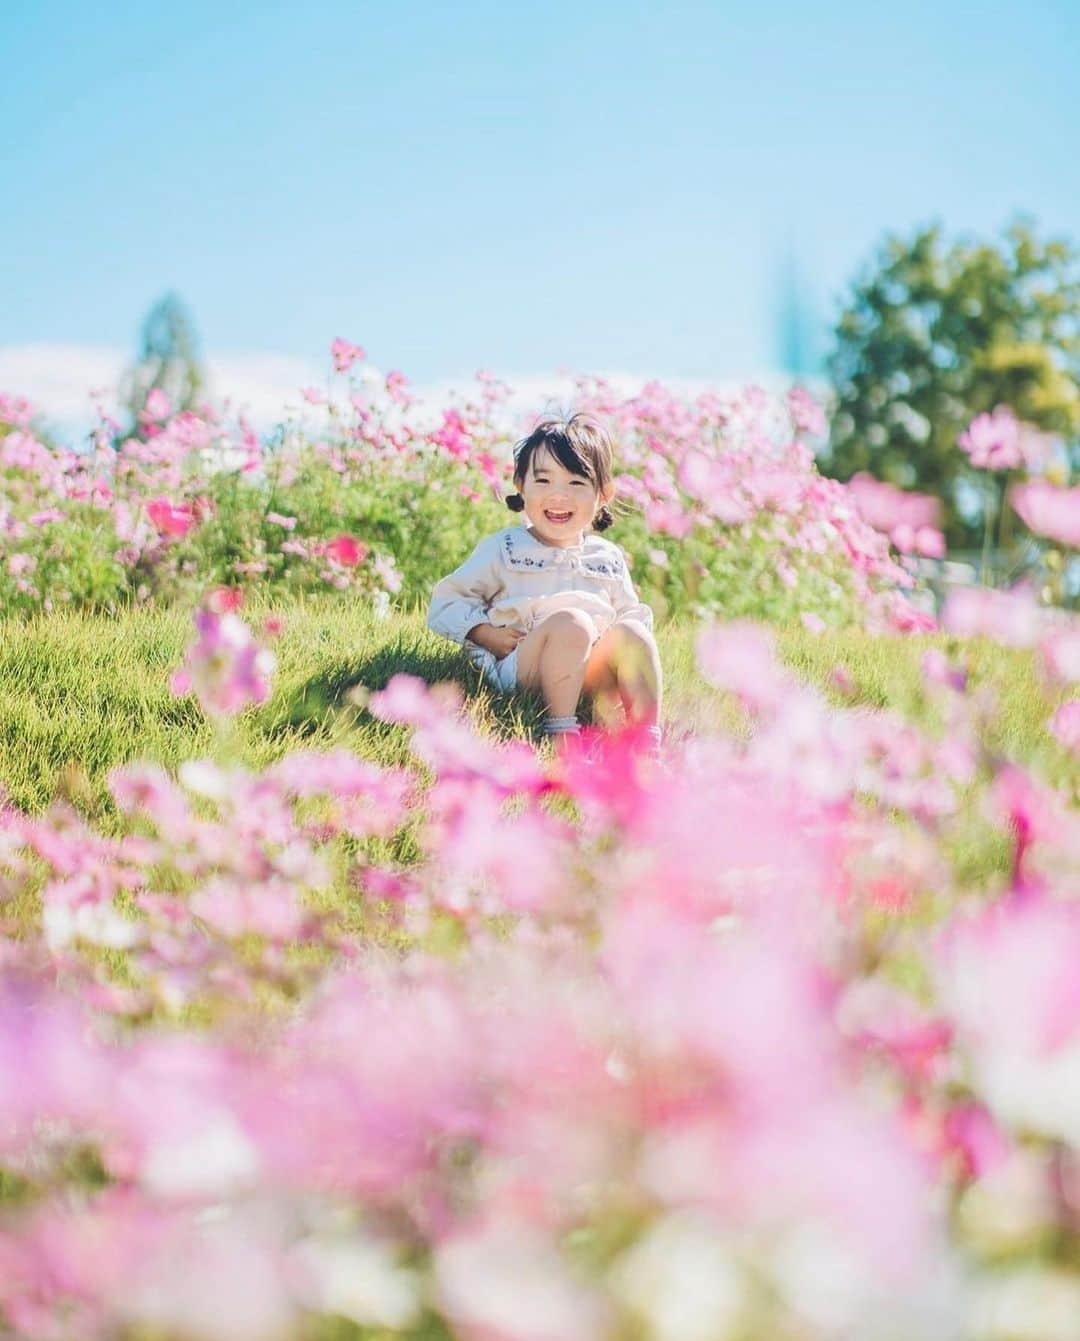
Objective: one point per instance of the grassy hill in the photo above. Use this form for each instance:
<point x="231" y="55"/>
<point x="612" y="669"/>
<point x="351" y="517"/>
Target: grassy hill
<point x="82" y="693"/>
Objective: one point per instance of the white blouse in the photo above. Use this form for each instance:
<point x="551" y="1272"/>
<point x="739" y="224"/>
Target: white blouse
<point x="513" y="579"/>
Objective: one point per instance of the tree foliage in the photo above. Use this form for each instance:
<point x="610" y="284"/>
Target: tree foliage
<point x="168" y="359"/>
<point x="932" y="335"/>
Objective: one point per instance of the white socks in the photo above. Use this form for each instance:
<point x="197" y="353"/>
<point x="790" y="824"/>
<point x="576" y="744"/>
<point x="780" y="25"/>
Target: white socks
<point x="562" y="726"/>
<point x="569" y="726"/>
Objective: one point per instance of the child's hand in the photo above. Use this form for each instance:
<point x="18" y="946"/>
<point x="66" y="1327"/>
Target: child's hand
<point x="496" y="639"/>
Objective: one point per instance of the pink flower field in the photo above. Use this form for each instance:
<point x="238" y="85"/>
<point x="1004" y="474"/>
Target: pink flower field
<point x="368" y="491"/>
<point x="508" y="1043"/>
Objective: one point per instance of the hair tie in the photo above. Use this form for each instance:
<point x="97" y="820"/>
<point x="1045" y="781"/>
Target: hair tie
<point x="603" y="519"/>
<point x="515" y="503"/>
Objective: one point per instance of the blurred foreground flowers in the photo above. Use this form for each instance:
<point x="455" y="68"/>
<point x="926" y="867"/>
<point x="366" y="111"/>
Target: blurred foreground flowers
<point x="723" y="1046"/>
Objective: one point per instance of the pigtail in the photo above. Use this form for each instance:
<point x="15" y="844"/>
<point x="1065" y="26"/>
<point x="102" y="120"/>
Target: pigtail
<point x="603" y="519"/>
<point x="515" y="503"/>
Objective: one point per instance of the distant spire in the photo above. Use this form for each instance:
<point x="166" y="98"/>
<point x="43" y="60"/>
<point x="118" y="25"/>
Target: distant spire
<point x="794" y="338"/>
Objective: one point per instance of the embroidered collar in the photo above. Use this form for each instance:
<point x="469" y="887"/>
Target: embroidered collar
<point x="525" y="553"/>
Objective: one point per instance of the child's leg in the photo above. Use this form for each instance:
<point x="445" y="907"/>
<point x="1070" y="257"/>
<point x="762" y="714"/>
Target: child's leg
<point x="602" y="687"/>
<point x="626" y="658"/>
<point x="552" y="658"/>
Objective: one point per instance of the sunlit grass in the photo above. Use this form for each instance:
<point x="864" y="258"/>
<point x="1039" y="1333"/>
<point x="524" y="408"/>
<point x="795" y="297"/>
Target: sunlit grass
<point x="82" y="693"/>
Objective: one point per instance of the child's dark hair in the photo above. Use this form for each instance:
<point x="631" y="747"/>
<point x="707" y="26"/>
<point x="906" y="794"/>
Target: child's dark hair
<point x="581" y="445"/>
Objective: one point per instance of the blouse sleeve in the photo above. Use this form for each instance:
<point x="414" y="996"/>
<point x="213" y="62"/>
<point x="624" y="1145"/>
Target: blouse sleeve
<point x="460" y="601"/>
<point x="625" y="599"/>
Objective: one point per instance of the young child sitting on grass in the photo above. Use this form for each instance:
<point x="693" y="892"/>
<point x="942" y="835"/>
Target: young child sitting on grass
<point x="550" y="605"/>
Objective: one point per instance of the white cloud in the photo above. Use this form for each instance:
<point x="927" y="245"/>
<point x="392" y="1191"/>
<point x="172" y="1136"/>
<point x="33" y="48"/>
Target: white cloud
<point x="60" y="381"/>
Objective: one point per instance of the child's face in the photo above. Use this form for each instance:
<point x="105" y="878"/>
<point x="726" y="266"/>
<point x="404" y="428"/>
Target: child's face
<point x="558" y="504"/>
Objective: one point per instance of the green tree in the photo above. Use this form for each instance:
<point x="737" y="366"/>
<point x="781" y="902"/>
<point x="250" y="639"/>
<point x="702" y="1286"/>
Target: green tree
<point x="167" y="361"/>
<point x="932" y="335"/>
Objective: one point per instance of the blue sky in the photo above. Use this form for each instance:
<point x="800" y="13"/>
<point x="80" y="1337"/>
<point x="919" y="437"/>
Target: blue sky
<point x="595" y="186"/>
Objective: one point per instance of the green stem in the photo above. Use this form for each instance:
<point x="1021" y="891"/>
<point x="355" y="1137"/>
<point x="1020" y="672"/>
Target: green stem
<point x="988" y="525"/>
<point x="1005" y="515"/>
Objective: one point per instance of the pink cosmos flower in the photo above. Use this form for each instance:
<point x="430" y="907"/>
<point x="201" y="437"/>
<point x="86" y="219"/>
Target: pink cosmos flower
<point x="519" y="862"/>
<point x="345" y="354"/>
<point x="396" y="382"/>
<point x="1065" y="725"/>
<point x="741" y="657"/>
<point x="158" y="407"/>
<point x="21" y="563"/>
<point x="387" y="573"/>
<point x="806" y="414"/>
<point x="1031" y="811"/>
<point x="16" y="410"/>
<point x="979" y="611"/>
<point x="929" y="542"/>
<point x="406" y="699"/>
<point x="48" y="515"/>
<point x="889" y="509"/>
<point x="669" y="519"/>
<point x="224" y="667"/>
<point x="1060" y="654"/>
<point x="171" y="518"/>
<point x="224" y="600"/>
<point x="994" y="441"/>
<point x="313" y="395"/>
<point x="346" y="550"/>
<point x="1008" y="979"/>
<point x="453" y="436"/>
<point x="268" y="908"/>
<point x="484" y="1273"/>
<point x="1049" y="511"/>
<point x="937" y="669"/>
<point x="904" y="617"/>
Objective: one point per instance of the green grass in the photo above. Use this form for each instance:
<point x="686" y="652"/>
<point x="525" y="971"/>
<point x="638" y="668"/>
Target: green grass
<point x="82" y="693"/>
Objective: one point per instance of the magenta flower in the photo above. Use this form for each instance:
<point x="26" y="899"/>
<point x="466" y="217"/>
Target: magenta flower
<point x="994" y="441"/>
<point x="225" y="600"/>
<point x="453" y="435"/>
<point x="225" y="667"/>
<point x="1049" y="511"/>
<point x="346" y="550"/>
<point x="171" y="518"/>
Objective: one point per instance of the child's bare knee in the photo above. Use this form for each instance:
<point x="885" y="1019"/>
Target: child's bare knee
<point x="632" y="644"/>
<point x="634" y="633"/>
<point x="570" y="629"/>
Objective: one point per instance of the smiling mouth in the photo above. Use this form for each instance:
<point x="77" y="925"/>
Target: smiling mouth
<point x="557" y="517"/>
